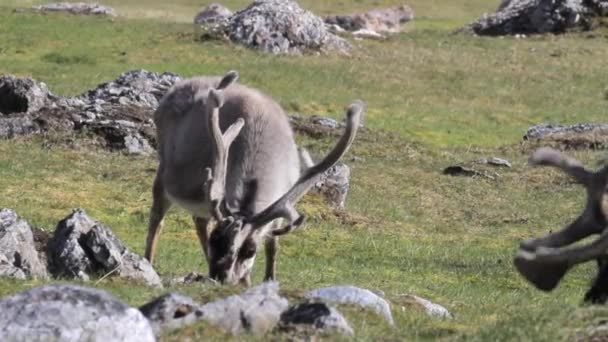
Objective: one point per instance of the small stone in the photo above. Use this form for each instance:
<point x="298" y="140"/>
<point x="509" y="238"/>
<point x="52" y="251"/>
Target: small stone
<point x="385" y="20"/>
<point x="355" y="296"/>
<point x="212" y="14"/>
<point x="429" y="307"/>
<point x="171" y="311"/>
<point x="314" y="316"/>
<point x="257" y="310"/>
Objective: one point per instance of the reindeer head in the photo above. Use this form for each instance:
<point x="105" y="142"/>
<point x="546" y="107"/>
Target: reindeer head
<point x="544" y="261"/>
<point x="233" y="243"/>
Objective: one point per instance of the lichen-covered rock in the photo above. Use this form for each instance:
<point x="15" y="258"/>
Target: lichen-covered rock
<point x="81" y="8"/>
<point x="70" y="313"/>
<point x="171" y="311"/>
<point x="81" y="247"/>
<point x="355" y="296"/>
<point x="22" y="95"/>
<point x="312" y="318"/>
<point x="282" y="27"/>
<point x="140" y="88"/>
<point x="334" y="184"/>
<point x="18" y="256"/>
<point x="538" y="16"/>
<point x="17" y="125"/>
<point x="212" y="14"/>
<point x="257" y="310"/>
<point x="382" y="20"/>
<point x="578" y="136"/>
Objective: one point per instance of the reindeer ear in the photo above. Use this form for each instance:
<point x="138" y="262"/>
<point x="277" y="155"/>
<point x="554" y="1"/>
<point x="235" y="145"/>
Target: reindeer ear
<point x="230" y="77"/>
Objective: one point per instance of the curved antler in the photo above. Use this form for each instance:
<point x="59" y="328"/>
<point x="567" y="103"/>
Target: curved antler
<point x="284" y="206"/>
<point x="216" y="174"/>
<point x="541" y="260"/>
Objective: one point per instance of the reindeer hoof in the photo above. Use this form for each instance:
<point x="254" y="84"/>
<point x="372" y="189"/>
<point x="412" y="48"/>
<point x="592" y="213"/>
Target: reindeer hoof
<point x="544" y="275"/>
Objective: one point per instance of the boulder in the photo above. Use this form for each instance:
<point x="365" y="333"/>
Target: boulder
<point x="312" y="318"/>
<point x="334" y="184"/>
<point x="80" y="8"/>
<point x="257" y="310"/>
<point x="379" y="20"/>
<point x="538" y="16"/>
<point x="212" y="14"/>
<point x="577" y="136"/>
<point x="282" y="27"/>
<point x="171" y="311"/>
<point x="81" y="247"/>
<point x="22" y="95"/>
<point x="354" y="296"/>
<point x="18" y="255"/>
<point x="70" y="313"/>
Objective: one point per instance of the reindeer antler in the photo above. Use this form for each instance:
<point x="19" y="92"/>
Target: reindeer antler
<point x="540" y="260"/>
<point x="284" y="206"/>
<point x="216" y="175"/>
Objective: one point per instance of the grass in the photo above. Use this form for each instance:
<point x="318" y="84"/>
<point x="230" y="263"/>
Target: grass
<point x="433" y="99"/>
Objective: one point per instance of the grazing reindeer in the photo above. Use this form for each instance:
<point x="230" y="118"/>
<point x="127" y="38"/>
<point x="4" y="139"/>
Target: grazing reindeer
<point x="242" y="181"/>
<point x="544" y="261"/>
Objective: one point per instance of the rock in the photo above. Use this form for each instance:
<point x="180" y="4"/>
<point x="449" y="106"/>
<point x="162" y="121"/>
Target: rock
<point x="22" y="95"/>
<point x="19" y="125"/>
<point x="429" y="307"/>
<point x="171" y="311"/>
<point x="583" y="135"/>
<point x="317" y="317"/>
<point x="139" y="88"/>
<point x="334" y="184"/>
<point x="495" y="161"/>
<point x="368" y="34"/>
<point x="537" y="16"/>
<point x="81" y="247"/>
<point x="191" y="278"/>
<point x="212" y="14"/>
<point x="383" y="20"/>
<point x="18" y="255"/>
<point x="80" y="8"/>
<point x="257" y="310"/>
<point x="355" y="296"/>
<point x="70" y="313"/>
<point x="282" y="27"/>
<point x="460" y="170"/>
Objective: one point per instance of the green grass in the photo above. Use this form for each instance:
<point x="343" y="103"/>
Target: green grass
<point x="433" y="99"/>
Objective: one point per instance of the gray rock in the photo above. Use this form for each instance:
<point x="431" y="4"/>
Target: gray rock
<point x="583" y="135"/>
<point x="171" y="311"/>
<point x="257" y="310"/>
<point x="80" y="8"/>
<point x="547" y="129"/>
<point x="18" y="255"/>
<point x="212" y="14"/>
<point x="461" y="170"/>
<point x="429" y="307"/>
<point x="334" y="185"/>
<point x="384" y="20"/>
<point x="282" y="27"/>
<point x="22" y="95"/>
<point x="355" y="296"/>
<point x="140" y="88"/>
<point x="314" y="317"/>
<point x="191" y="278"/>
<point x="70" y="313"/>
<point x="137" y="145"/>
<point x="17" y="125"/>
<point x="538" y="16"/>
<point x="81" y="247"/>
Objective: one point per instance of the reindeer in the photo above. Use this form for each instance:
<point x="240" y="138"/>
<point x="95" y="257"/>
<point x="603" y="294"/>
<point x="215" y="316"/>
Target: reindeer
<point x="544" y="261"/>
<point x="228" y="156"/>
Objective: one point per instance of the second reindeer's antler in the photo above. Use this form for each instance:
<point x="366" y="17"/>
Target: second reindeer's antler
<point x="543" y="261"/>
